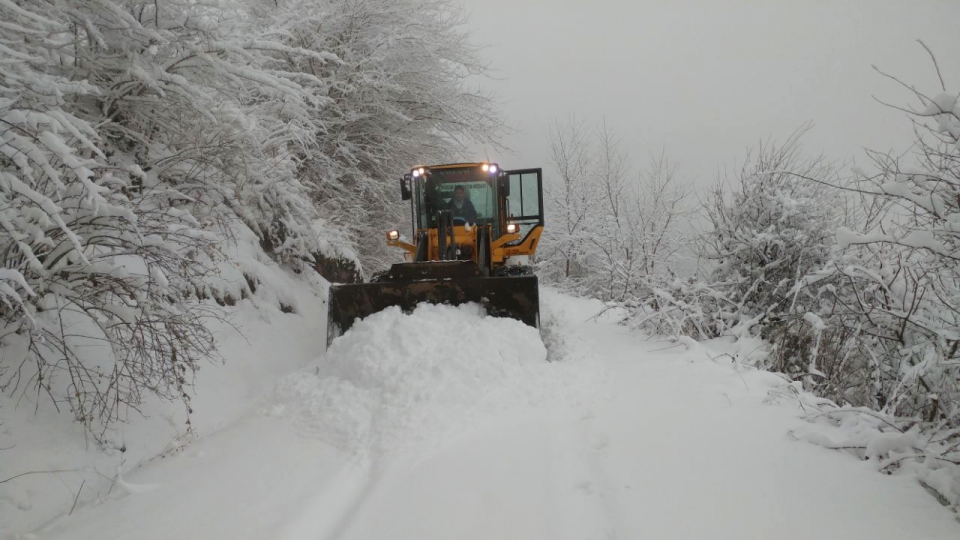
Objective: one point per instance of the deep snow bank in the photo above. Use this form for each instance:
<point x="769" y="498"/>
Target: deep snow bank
<point x="276" y="326"/>
<point x="396" y="379"/>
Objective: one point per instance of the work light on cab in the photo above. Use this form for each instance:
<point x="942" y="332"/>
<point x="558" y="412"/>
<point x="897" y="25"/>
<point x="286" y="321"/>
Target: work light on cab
<point x="393" y="235"/>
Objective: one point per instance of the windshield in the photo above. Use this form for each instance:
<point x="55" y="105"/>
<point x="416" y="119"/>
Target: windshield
<point x="468" y="193"/>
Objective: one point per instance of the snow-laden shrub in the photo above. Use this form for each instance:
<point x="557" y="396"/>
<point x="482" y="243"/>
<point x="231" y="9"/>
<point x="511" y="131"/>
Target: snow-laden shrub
<point x="92" y="252"/>
<point x="769" y="231"/>
<point x="892" y="444"/>
<point x="128" y="132"/>
<point x="894" y="283"/>
<point x="861" y="307"/>
<point x="765" y="232"/>
<point x="206" y="108"/>
<point x="687" y="308"/>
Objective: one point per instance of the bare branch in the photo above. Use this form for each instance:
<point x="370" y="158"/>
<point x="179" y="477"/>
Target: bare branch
<point x="933" y="59"/>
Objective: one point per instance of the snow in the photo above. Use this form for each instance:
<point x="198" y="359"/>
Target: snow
<point x="427" y="425"/>
<point x="260" y="344"/>
<point x="919" y="239"/>
<point x="392" y="376"/>
<point x="945" y="107"/>
<point x="847" y="237"/>
<point x="815" y="321"/>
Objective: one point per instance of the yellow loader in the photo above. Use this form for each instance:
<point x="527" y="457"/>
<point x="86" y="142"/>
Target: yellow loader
<point x="475" y="227"/>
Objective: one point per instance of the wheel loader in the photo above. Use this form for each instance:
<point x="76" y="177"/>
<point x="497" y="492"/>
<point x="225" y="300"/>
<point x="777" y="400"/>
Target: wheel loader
<point x="474" y="226"/>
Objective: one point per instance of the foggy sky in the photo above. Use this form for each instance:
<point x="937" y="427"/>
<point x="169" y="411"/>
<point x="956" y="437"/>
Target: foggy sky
<point x="707" y="79"/>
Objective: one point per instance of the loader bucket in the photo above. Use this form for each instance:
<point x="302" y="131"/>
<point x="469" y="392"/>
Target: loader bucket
<point x="454" y="283"/>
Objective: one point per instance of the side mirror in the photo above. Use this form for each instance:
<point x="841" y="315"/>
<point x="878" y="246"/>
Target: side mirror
<point x="504" y="180"/>
<point x="406" y="193"/>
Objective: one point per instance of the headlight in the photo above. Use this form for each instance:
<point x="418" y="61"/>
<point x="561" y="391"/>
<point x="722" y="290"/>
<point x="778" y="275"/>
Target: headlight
<point x="512" y="228"/>
<point x="393" y="235"/>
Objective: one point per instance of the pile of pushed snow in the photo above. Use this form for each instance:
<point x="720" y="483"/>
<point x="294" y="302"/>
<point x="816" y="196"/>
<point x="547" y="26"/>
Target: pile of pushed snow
<point x="395" y="379"/>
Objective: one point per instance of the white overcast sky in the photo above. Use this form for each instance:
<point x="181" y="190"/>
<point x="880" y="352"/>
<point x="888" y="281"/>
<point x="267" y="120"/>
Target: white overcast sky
<point x="706" y="79"/>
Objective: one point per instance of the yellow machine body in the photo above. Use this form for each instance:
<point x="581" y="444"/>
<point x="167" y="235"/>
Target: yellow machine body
<point x="474" y="228"/>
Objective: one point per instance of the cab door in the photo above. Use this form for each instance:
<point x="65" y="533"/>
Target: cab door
<point x="524" y="202"/>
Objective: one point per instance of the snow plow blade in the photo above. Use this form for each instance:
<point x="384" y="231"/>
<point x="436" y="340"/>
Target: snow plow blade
<point x="453" y="283"/>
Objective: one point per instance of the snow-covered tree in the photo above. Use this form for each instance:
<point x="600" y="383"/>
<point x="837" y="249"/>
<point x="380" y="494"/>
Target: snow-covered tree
<point x="613" y="234"/>
<point x="395" y="93"/>
<point x="660" y="222"/>
<point x="129" y="131"/>
<point x="610" y="236"/>
<point x="571" y="199"/>
<point x="137" y="137"/>
<point x="637" y="233"/>
<point x="894" y="294"/>
<point x="855" y="282"/>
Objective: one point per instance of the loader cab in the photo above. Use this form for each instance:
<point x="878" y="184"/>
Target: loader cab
<point x="500" y="198"/>
<point x="496" y="221"/>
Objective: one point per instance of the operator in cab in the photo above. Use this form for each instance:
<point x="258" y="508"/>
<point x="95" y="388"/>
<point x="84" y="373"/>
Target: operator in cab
<point x="461" y="207"/>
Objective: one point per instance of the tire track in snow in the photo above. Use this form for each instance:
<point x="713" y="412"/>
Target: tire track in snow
<point x="330" y="514"/>
<point x="586" y="505"/>
<point x="327" y="514"/>
<point x="581" y="491"/>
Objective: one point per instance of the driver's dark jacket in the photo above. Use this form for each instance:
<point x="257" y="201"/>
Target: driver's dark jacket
<point x="467" y="211"/>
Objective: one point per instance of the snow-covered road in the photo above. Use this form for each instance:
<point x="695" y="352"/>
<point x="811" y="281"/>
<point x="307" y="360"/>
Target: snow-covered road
<point x="619" y="440"/>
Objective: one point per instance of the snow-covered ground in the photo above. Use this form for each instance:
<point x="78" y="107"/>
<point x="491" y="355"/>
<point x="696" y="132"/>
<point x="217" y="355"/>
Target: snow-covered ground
<point x="261" y="344"/>
<point x="447" y="424"/>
